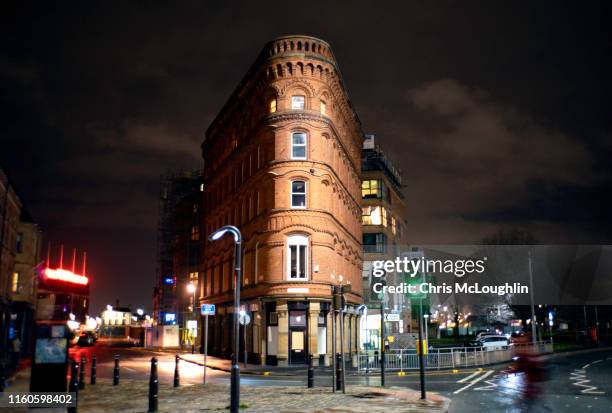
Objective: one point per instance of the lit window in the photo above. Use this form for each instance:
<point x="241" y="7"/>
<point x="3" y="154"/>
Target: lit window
<point x="297" y="102"/>
<point x="371" y="188"/>
<point x="201" y="187"/>
<point x="273" y="106"/>
<point x="297" y="257"/>
<point x="15" y="283"/>
<point x="195" y="233"/>
<point x="323" y="108"/>
<point x="193" y="277"/>
<point x="298" y="194"/>
<point x="374" y="215"/>
<point x="298" y="145"/>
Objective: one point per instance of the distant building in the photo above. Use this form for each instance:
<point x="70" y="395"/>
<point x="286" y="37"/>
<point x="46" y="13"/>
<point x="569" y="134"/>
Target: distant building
<point x="10" y="210"/>
<point x="384" y="233"/>
<point x="282" y="163"/>
<point x="24" y="281"/>
<point x="179" y="250"/>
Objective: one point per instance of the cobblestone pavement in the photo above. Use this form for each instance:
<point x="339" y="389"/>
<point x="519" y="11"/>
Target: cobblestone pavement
<point x="132" y="397"/>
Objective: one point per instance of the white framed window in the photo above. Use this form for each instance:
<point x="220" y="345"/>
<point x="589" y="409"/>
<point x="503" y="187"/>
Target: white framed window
<point x="298" y="102"/>
<point x="298" y="145"/>
<point x="297" y="257"/>
<point x="298" y="194"/>
<point x="323" y="108"/>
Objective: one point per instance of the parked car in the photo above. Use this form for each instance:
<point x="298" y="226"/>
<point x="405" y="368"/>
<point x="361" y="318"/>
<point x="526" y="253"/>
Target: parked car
<point x="490" y="342"/>
<point x="494" y="342"/>
<point x="87" y="338"/>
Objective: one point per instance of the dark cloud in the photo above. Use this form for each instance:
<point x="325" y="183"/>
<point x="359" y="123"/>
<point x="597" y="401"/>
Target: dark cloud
<point x="497" y="113"/>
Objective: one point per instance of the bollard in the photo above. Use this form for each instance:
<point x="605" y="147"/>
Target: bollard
<point x="310" y="372"/>
<point x="93" y="369"/>
<point x="176" y="372"/>
<point x="82" y="373"/>
<point x="153" y="386"/>
<point x="116" y="371"/>
<point x="74" y="385"/>
<point x="338" y="371"/>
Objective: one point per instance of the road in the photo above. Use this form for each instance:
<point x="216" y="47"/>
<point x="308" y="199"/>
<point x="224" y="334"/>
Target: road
<point x="579" y="382"/>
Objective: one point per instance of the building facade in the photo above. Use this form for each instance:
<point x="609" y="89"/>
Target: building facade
<point x="10" y="210"/>
<point x="24" y="280"/>
<point x="282" y="163"/>
<point x="178" y="246"/>
<point x="384" y="236"/>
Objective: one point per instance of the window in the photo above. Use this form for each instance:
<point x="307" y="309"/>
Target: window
<point x="374" y="215"/>
<point x="193" y="277"/>
<point x="298" y="145"/>
<point x="376" y="243"/>
<point x="323" y="108"/>
<point x="19" y="243"/>
<point x="297" y="257"/>
<point x="393" y="225"/>
<point x="371" y="188"/>
<point x="273" y="106"/>
<point x="297" y="102"/>
<point x="195" y="233"/>
<point x="15" y="287"/>
<point x="298" y="194"/>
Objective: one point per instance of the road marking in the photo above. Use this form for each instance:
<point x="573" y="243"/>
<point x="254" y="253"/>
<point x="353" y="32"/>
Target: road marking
<point x="597" y="361"/>
<point x="473" y="382"/>
<point x="580" y="380"/>
<point x="490" y="384"/>
<point x="469" y="377"/>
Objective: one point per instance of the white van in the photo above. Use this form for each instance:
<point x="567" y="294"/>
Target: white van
<point x="494" y="342"/>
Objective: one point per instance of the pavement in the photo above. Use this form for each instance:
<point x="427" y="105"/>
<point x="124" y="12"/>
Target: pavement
<point x="576" y="381"/>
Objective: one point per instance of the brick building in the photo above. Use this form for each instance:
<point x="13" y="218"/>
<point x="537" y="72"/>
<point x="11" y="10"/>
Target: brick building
<point x="282" y="163"/>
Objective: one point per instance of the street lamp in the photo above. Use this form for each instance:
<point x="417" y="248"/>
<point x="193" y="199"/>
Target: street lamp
<point x="235" y="380"/>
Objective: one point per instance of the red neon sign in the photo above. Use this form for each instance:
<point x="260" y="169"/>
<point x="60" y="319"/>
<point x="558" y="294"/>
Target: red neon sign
<point x="65" y="275"/>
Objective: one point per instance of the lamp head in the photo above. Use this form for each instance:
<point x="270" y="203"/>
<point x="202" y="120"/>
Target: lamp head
<point x="215" y="236"/>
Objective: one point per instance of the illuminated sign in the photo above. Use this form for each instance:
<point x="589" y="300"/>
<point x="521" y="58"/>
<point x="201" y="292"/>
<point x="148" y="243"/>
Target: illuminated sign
<point x="65" y="275"/>
<point x="169" y="317"/>
<point x="169" y="281"/>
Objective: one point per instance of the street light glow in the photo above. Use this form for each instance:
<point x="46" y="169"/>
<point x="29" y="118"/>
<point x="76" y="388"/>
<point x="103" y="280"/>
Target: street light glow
<point x="217" y="235"/>
<point x="191" y="288"/>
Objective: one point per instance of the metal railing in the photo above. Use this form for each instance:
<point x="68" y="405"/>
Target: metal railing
<point x="449" y="358"/>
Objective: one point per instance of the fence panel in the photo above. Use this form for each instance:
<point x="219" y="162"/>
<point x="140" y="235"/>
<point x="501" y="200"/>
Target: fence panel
<point x="456" y="357"/>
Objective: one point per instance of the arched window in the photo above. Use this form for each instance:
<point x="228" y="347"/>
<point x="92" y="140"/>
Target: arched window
<point x="273" y="105"/>
<point x="298" y="194"/>
<point x="298" y="102"/>
<point x="297" y="257"/>
<point x="298" y="145"/>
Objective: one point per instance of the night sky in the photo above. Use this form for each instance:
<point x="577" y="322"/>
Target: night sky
<point x="497" y="113"/>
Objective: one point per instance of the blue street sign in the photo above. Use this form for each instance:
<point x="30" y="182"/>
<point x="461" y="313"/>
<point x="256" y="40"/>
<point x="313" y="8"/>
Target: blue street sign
<point x="208" y="309"/>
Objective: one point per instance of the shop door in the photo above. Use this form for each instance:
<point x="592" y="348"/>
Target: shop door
<point x="298" y="337"/>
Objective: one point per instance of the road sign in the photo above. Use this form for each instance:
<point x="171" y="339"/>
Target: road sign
<point x="208" y="309"/>
<point x="392" y="317"/>
<point x="244" y="319"/>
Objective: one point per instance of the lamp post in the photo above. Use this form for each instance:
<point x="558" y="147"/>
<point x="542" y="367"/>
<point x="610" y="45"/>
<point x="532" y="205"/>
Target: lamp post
<point x="191" y="289"/>
<point x="235" y="378"/>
